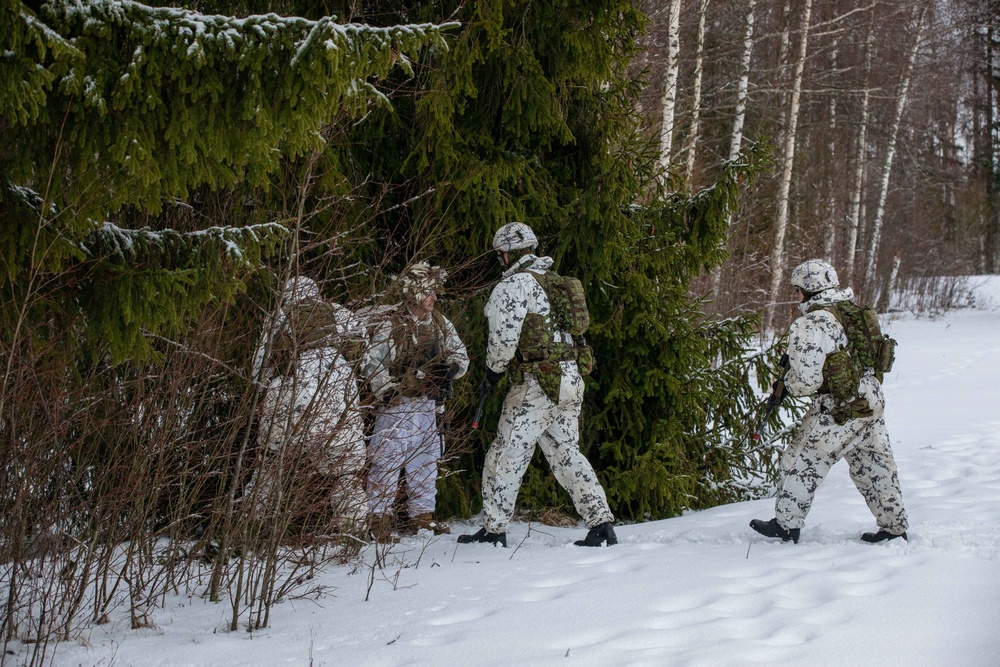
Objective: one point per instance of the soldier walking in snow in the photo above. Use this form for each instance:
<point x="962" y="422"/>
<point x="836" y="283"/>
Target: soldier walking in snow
<point x="414" y="356"/>
<point x="546" y="396"/>
<point x="836" y="354"/>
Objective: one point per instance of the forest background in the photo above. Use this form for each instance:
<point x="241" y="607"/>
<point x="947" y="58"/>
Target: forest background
<point x="163" y="170"/>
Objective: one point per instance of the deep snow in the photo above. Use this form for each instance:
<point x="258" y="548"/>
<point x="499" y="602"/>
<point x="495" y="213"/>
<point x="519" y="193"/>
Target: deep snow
<point x="700" y="589"/>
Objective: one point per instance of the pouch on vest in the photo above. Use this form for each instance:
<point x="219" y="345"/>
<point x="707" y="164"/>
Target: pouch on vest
<point x="840" y="377"/>
<point x="585" y="359"/>
<point x="536" y="339"/>
<point x="856" y="409"/>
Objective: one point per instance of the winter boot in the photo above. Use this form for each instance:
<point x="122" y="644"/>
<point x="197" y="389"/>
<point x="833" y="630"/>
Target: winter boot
<point x="772" y="529"/>
<point x="604" y="532"/>
<point x="882" y="536"/>
<point x="383" y="529"/>
<point x="483" y="536"/>
<point x="427" y="522"/>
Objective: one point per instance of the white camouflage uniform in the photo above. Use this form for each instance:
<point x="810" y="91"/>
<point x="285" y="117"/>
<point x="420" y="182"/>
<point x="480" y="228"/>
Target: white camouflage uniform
<point x="528" y="416"/>
<point x="405" y="435"/>
<point x="310" y="418"/>
<point x="820" y="441"/>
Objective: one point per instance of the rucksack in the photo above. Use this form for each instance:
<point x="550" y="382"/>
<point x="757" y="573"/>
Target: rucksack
<point x="567" y="311"/>
<point x="567" y="301"/>
<point x="869" y="347"/>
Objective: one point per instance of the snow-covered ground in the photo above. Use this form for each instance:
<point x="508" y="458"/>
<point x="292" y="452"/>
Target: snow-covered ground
<point x="701" y="589"/>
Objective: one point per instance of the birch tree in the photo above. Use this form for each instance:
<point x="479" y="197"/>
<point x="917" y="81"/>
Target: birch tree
<point x="787" y="165"/>
<point x="699" y="67"/>
<point x="901" y="95"/>
<point x="860" y="162"/>
<point x="669" y="103"/>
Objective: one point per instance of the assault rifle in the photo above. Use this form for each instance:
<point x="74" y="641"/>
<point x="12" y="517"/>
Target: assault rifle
<point x="778" y="393"/>
<point x="484" y="391"/>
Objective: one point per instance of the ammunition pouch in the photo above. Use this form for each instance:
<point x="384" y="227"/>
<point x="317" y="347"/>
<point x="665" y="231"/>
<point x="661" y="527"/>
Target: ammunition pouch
<point x="854" y="409"/>
<point x="840" y="377"/>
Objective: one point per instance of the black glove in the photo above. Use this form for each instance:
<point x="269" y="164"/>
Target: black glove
<point x="492" y="377"/>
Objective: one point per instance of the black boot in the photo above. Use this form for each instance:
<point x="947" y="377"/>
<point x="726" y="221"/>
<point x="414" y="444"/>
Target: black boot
<point x="881" y="536"/>
<point x="483" y="536"/>
<point x="772" y="529"/>
<point x="599" y="534"/>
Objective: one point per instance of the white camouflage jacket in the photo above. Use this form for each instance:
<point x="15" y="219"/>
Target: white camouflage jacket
<point x="516" y="295"/>
<point x="814" y="336"/>
<point x="382" y="352"/>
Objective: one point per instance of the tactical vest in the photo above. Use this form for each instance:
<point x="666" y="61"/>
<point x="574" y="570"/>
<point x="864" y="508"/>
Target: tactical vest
<point x="308" y="326"/>
<point x="867" y="349"/>
<point x="419" y="366"/>
<point x="537" y="351"/>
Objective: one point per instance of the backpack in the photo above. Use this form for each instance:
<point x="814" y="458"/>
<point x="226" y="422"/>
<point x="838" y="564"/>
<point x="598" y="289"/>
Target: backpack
<point x="568" y="311"/>
<point x="869" y="347"/>
<point x="567" y="301"/>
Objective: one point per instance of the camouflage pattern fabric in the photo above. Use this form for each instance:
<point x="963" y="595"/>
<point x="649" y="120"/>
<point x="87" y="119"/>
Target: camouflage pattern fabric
<point x="383" y="352"/>
<point x="311" y="423"/>
<point x="820" y="441"/>
<point x="529" y="416"/>
<point x="404" y="437"/>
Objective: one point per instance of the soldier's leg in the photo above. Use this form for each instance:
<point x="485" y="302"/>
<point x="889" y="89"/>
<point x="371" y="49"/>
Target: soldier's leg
<point x="526" y="414"/>
<point x="560" y="444"/>
<point x="873" y="470"/>
<point x="386" y="457"/>
<point x="818" y="448"/>
<point x="424" y="450"/>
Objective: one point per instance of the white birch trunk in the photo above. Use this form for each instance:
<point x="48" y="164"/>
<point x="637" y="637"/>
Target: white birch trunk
<point x="699" y="66"/>
<point x="742" y="88"/>
<point x="854" y="218"/>
<point x="736" y="138"/>
<point x="830" y="225"/>
<point x="670" y="86"/>
<point x="904" y="86"/>
<point x="787" y="163"/>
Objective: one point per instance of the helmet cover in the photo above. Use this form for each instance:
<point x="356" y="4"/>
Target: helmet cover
<point x="514" y="236"/>
<point x="814" y="276"/>
<point x="421" y="280"/>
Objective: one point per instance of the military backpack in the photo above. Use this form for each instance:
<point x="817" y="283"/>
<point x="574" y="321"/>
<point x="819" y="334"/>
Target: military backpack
<point x="537" y="351"/>
<point x="867" y="348"/>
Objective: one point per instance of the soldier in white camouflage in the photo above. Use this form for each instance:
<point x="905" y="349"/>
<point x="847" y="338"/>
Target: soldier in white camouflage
<point x="414" y="357"/>
<point x="830" y="431"/>
<point x="311" y="423"/>
<point x="530" y="414"/>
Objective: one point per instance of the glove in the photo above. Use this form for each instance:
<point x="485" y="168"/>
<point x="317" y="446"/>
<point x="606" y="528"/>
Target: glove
<point x="492" y="378"/>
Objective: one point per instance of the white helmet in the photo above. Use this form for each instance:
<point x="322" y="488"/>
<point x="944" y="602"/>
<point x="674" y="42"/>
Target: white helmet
<point x="514" y="236"/>
<point x="814" y="276"/>
<point x="299" y="290"/>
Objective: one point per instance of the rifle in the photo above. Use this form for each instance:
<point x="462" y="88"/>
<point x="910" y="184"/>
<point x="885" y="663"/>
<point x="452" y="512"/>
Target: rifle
<point x="778" y="393"/>
<point x="484" y="391"/>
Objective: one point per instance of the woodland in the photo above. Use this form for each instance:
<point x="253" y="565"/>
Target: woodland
<point x="164" y="167"/>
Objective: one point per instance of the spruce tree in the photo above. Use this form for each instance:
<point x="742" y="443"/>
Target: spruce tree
<point x="532" y="116"/>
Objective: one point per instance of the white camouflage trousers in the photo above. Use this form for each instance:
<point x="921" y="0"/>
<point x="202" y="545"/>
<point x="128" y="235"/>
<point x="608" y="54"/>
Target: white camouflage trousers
<point x="529" y="417"/>
<point x="821" y="442"/>
<point x="405" y="437"/>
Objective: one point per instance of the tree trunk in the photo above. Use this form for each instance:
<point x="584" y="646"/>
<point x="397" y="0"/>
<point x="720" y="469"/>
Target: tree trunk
<point x="904" y="86"/>
<point x="787" y="163"/>
<point x="854" y="219"/>
<point x="670" y="88"/>
<point x="696" y="94"/>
